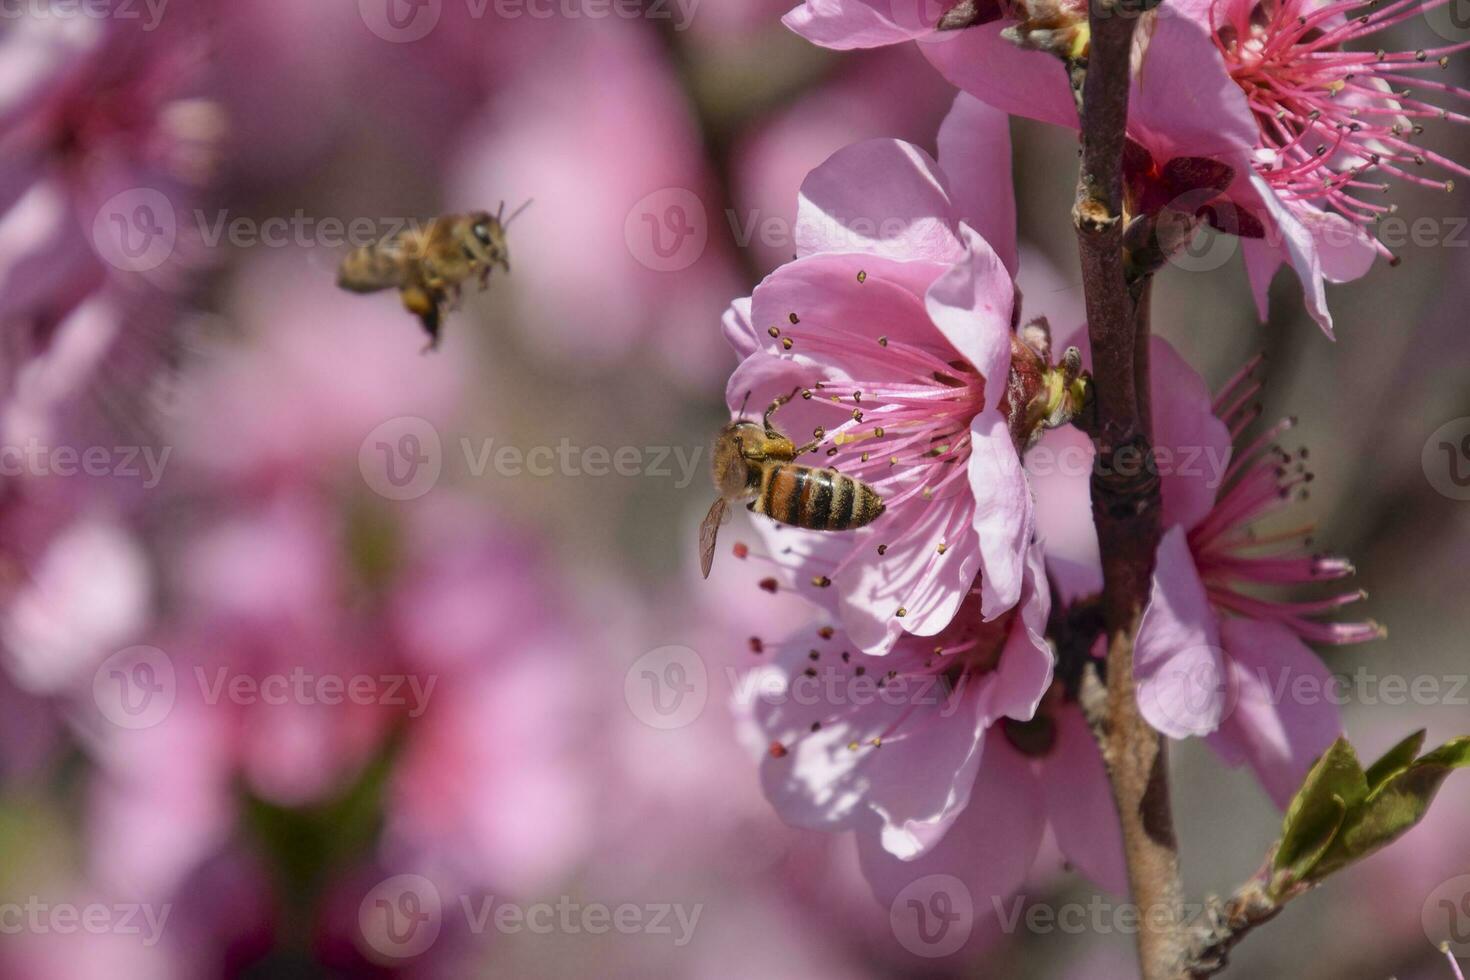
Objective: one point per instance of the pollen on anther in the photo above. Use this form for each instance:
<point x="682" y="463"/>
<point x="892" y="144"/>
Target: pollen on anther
<point x="810" y="672"/>
<point x="757" y="645"/>
<point x="862" y="277"/>
<point x="816" y="726"/>
<point x="813" y="655"/>
<point x="826" y="632"/>
<point x="878" y="432"/>
<point x="741" y="550"/>
<point x="774" y="331"/>
<point x="777" y="750"/>
<point x="832" y="451"/>
<point x="860" y="670"/>
<point x="786" y="343"/>
<point x="901" y="613"/>
<point x="821" y="581"/>
<point x="943" y="547"/>
<point x="806" y="395"/>
<point x="883" y="549"/>
<point x="818" y="432"/>
<point x="769" y="585"/>
<point x="857" y="415"/>
<point x="883" y="341"/>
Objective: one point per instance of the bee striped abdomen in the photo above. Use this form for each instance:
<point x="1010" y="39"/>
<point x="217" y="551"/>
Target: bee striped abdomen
<point x="817" y="499"/>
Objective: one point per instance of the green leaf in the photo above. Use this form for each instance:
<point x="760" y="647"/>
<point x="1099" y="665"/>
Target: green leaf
<point x="1393" y="807"/>
<point x="1400" y="757"/>
<point x="1334" y="787"/>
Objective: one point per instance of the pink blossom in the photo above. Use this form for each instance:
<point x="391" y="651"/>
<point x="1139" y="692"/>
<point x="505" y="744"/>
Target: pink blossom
<point x="1213" y="657"/>
<point x="1268" y="92"/>
<point x="944" y="755"/>
<point x="894" y="321"/>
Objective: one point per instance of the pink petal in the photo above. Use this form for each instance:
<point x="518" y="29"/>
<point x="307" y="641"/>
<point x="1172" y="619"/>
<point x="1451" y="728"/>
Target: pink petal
<point x="1193" y="445"/>
<point x="1079" y="803"/>
<point x="1184" y="101"/>
<point x="1177" y="660"/>
<point x="847" y="24"/>
<point x="1285" y="715"/>
<point x="882" y="196"/>
<point x="1004" y="515"/>
<point x="738" y="328"/>
<point x="1024" y="83"/>
<point x="916" y="784"/>
<point x="975" y="156"/>
<point x="1021" y="679"/>
<point x="911" y="574"/>
<point x="971" y="304"/>
<point x="990" y="848"/>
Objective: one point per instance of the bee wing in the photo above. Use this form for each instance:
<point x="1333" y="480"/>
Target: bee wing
<point x="707" y="532"/>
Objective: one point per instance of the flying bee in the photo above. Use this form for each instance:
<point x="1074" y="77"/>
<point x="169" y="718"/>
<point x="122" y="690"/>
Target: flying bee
<point x="428" y="264"/>
<point x="756" y="461"/>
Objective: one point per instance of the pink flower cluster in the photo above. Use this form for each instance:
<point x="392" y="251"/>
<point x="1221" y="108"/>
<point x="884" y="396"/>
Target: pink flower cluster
<point x="931" y="715"/>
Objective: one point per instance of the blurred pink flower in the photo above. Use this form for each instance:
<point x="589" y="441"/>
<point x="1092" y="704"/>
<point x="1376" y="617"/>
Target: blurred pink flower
<point x="895" y="321"/>
<point x="107" y="139"/>
<point x="871" y="94"/>
<point x="621" y="250"/>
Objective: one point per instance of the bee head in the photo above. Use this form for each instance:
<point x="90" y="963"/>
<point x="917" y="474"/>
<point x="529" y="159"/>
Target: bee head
<point x="489" y="235"/>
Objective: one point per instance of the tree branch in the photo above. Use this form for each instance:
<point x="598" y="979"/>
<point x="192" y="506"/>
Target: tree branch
<point x="1125" y="490"/>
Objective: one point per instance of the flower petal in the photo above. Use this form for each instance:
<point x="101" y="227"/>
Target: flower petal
<point x="990" y="848"/>
<point x="975" y="156"/>
<point x="971" y="304"/>
<point x="1284" y="715"/>
<point x="1023" y="83"/>
<point x="882" y="196"/>
<point x="844" y="25"/>
<point x="1177" y="660"/>
<point x="1192" y="446"/>
<point x="1004" y="512"/>
<point x="1079" y="803"/>
<point x="829" y="778"/>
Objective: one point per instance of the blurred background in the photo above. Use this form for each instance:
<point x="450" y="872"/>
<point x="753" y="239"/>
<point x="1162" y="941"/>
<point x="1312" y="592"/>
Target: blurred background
<point x="325" y="657"/>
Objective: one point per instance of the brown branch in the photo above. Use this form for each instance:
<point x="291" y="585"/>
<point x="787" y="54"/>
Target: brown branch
<point x="1125" y="492"/>
<point x="1225" y="923"/>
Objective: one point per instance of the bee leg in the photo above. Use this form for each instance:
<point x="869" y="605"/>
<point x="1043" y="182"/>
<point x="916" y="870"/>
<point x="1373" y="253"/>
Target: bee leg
<point x="485" y="277"/>
<point x="808" y="448"/>
<point x="771" y="411"/>
<point x="425" y="305"/>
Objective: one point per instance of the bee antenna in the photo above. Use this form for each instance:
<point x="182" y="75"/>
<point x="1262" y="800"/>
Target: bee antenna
<point x="517" y="212"/>
<point x="500" y="211"/>
<point x="743" y="403"/>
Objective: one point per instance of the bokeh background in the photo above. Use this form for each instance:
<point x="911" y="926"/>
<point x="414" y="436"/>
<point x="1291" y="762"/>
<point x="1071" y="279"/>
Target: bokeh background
<point x="339" y="648"/>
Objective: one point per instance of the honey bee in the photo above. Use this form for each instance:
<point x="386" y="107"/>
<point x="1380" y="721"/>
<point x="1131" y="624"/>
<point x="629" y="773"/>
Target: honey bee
<point x="428" y="264"/>
<point x="755" y="460"/>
